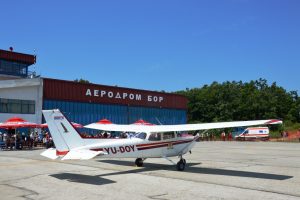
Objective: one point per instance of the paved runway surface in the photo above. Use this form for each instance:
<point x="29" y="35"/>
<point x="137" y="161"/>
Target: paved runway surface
<point x="216" y="170"/>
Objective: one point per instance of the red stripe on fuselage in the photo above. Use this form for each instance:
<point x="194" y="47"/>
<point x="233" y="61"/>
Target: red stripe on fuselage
<point x="153" y="147"/>
<point x="151" y="144"/>
<point x="158" y="143"/>
<point x="162" y="144"/>
<point x="98" y="149"/>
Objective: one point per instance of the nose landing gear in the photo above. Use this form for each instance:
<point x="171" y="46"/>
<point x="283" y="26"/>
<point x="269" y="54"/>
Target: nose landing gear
<point x="139" y="162"/>
<point x="181" y="164"/>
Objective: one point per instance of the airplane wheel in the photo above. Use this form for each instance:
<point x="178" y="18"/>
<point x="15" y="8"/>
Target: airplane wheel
<point x="181" y="165"/>
<point x="139" y="162"/>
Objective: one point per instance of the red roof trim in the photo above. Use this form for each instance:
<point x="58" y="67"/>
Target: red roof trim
<point x="17" y="57"/>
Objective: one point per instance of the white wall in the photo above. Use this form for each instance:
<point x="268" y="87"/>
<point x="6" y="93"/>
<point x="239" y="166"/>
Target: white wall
<point x="24" y="89"/>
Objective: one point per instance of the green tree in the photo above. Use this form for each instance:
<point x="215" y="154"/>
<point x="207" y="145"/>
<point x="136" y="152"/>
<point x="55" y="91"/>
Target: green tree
<point x="241" y="101"/>
<point x="81" y="81"/>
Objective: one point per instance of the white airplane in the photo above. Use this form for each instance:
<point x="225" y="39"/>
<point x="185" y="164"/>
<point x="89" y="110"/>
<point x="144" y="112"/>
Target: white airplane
<point x="157" y="141"/>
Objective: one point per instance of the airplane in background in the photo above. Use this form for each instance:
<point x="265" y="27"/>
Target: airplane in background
<point x="157" y="141"/>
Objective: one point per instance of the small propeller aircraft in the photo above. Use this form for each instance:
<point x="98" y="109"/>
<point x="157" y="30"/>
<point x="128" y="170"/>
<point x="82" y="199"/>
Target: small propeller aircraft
<point x="150" y="141"/>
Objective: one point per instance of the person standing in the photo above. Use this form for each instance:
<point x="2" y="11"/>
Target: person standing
<point x="213" y="137"/>
<point x="230" y="136"/>
<point x="223" y="135"/>
<point x="5" y="137"/>
<point x="202" y="136"/>
<point x="31" y="136"/>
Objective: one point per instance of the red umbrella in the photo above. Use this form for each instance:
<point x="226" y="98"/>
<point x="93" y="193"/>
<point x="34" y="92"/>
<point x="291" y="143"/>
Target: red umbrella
<point x="143" y="122"/>
<point x="76" y="125"/>
<point x="17" y="122"/>
<point x="45" y="125"/>
<point x="104" y="121"/>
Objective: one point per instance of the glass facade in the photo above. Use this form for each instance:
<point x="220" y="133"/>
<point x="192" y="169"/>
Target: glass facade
<point x="17" y="106"/>
<point x="86" y="113"/>
<point x="13" y="68"/>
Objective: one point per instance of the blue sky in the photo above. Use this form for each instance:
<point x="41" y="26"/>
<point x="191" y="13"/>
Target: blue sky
<point x="158" y="44"/>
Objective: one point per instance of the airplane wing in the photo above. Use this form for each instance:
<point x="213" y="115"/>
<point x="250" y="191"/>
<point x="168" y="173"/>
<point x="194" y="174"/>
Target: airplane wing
<point x="180" y="127"/>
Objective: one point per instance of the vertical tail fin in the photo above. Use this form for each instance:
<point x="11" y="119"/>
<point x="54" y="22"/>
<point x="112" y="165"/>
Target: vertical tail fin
<point x="64" y="135"/>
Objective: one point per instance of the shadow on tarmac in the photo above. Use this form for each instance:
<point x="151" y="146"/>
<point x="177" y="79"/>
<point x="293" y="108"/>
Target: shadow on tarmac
<point x="191" y="168"/>
<point x="80" y="178"/>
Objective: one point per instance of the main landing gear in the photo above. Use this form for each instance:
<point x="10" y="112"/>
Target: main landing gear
<point x="139" y="162"/>
<point x="181" y="164"/>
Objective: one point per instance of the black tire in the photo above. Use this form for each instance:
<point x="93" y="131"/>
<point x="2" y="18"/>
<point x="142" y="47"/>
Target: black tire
<point x="181" y="165"/>
<point x="139" y="162"/>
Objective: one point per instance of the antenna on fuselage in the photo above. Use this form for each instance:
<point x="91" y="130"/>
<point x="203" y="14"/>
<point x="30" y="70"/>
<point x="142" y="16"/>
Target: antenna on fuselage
<point x="158" y="121"/>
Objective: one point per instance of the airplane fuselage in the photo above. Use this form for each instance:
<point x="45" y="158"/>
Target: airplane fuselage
<point x="148" y="141"/>
<point x="140" y="148"/>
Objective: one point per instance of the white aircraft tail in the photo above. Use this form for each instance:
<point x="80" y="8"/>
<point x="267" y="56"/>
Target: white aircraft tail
<point x="64" y="135"/>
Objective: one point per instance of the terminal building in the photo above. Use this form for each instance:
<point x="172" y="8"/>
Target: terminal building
<point x="25" y="95"/>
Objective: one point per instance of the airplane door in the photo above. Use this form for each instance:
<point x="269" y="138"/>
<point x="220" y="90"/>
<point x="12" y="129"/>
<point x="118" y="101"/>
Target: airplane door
<point x="155" y="148"/>
<point x="169" y="149"/>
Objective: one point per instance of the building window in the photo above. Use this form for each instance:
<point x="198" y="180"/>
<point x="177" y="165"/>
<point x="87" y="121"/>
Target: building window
<point x="14" y="106"/>
<point x="17" y="106"/>
<point x="13" y="68"/>
<point x="4" y="105"/>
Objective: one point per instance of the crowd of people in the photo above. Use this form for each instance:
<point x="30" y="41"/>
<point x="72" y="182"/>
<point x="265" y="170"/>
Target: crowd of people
<point x="285" y="135"/>
<point x="105" y="134"/>
<point x="11" y="139"/>
<point x="206" y="136"/>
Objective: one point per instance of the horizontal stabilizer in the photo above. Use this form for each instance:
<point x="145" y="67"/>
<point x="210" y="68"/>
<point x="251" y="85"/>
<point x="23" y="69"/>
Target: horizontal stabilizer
<point x="82" y="154"/>
<point x="50" y="153"/>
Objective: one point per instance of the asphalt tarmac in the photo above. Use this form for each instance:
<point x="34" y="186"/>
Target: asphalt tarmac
<point x="215" y="170"/>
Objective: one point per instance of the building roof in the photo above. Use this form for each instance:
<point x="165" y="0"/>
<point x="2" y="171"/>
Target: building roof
<point x="17" y="57"/>
<point x="95" y="93"/>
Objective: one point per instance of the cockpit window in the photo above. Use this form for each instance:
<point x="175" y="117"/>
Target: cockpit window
<point x="141" y="135"/>
<point x="168" y="135"/>
<point x="155" y="137"/>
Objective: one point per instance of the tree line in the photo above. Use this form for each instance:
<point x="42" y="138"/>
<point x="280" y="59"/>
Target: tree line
<point x="234" y="101"/>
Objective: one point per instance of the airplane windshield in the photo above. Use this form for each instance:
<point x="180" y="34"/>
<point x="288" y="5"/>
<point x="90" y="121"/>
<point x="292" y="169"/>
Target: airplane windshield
<point x="141" y="135"/>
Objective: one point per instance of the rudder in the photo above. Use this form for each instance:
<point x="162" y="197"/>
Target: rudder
<point x="64" y="135"/>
